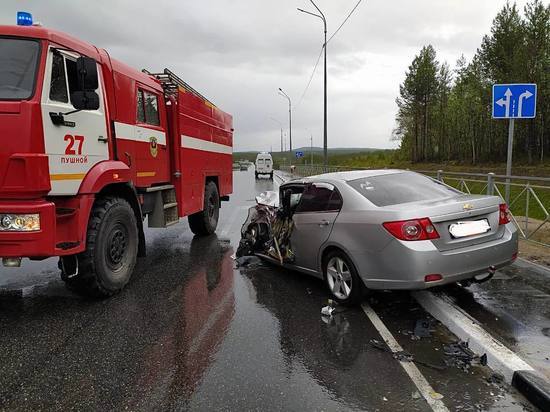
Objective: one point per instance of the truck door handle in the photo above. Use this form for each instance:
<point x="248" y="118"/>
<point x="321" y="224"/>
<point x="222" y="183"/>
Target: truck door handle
<point x="102" y="139"/>
<point x="324" y="223"/>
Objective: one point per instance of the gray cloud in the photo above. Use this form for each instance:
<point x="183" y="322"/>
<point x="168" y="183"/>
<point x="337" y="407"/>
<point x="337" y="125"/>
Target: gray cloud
<point x="238" y="52"/>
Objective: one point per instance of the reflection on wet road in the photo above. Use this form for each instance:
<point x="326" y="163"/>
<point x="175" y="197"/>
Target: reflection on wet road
<point x="192" y="331"/>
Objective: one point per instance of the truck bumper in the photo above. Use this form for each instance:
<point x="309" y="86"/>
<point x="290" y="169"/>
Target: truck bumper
<point x="62" y="227"/>
<point x="40" y="243"/>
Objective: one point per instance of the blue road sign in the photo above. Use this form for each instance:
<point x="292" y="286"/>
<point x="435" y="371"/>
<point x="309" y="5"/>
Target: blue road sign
<point x="299" y="154"/>
<point x="514" y="101"/>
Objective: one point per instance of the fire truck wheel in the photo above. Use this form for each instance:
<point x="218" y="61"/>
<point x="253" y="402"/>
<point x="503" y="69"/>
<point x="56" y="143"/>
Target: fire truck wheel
<point x="205" y="222"/>
<point x="106" y="265"/>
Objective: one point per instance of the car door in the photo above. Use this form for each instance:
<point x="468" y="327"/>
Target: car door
<point x="313" y="219"/>
<point x="76" y="145"/>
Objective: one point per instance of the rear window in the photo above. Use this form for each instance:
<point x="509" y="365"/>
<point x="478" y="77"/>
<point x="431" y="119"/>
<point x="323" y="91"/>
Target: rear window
<point x="397" y="188"/>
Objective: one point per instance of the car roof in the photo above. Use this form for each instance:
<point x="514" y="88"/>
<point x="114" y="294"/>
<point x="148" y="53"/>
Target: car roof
<point x="346" y="176"/>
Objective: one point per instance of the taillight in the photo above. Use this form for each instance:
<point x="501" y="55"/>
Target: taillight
<point x="415" y="229"/>
<point x="433" y="277"/>
<point x="503" y="214"/>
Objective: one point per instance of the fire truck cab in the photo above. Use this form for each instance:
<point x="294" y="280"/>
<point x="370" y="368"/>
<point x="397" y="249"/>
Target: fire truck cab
<point x="91" y="148"/>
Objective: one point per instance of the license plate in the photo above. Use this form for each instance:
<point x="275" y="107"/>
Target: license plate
<point x="469" y="228"/>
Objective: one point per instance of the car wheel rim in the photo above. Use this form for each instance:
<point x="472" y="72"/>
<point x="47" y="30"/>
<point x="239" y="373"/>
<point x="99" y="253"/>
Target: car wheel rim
<point x="339" y="278"/>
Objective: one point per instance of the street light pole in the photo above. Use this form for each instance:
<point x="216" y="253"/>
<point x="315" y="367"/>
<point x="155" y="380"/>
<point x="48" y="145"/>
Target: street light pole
<point x="281" y="126"/>
<point x="325" y="138"/>
<point x="282" y="93"/>
<point x="311" y="149"/>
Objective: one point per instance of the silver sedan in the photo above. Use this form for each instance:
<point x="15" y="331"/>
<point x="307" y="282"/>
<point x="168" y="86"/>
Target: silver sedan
<point x="391" y="229"/>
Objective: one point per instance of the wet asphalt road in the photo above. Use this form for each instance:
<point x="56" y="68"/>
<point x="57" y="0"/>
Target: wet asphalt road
<point x="193" y="332"/>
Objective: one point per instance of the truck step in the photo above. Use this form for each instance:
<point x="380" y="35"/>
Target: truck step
<point x="165" y="210"/>
<point x="158" y="188"/>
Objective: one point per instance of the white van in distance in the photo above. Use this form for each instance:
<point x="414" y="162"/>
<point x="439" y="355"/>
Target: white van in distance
<point x="264" y="165"/>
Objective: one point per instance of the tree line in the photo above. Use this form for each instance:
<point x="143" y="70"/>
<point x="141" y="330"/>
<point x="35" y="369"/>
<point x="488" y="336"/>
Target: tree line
<point x="445" y="114"/>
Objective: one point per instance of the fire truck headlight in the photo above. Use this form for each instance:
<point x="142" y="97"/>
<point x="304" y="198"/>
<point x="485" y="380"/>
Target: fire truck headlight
<point x="19" y="223"/>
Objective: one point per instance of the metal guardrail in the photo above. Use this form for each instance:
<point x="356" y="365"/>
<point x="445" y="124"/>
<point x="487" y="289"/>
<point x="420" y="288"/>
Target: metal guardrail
<point x="529" y="202"/>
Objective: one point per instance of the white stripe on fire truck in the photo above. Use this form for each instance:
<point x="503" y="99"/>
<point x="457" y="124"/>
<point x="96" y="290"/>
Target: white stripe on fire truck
<point x="138" y="133"/>
<point x="188" y="142"/>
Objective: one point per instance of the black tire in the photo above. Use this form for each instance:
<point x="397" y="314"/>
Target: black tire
<point x="271" y="175"/>
<point x="204" y="223"/>
<point x="354" y="283"/>
<point x="256" y="174"/>
<point x="108" y="262"/>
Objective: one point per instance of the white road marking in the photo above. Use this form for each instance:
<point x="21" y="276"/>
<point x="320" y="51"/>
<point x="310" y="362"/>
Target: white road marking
<point x="410" y="368"/>
<point x="499" y="357"/>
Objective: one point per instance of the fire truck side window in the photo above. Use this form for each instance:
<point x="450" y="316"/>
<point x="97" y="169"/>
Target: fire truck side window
<point x="151" y="109"/>
<point x="140" y="110"/>
<point x="58" y="84"/>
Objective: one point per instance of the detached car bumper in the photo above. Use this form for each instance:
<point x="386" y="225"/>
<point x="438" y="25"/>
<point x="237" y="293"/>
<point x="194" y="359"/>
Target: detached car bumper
<point x="405" y="265"/>
<point x="39" y="243"/>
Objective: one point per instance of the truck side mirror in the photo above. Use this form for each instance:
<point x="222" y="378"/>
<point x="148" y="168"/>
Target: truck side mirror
<point x="85" y="100"/>
<point x="86" y="69"/>
<point x="85" y="97"/>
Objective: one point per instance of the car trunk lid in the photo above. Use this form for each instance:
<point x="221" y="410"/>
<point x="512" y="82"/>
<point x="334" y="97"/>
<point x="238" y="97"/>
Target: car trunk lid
<point x="449" y="212"/>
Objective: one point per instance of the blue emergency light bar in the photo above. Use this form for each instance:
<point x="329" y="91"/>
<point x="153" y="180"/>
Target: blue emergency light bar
<point x="24" y="18"/>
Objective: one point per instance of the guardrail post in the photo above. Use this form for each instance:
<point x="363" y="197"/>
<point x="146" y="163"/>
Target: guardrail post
<point x="490" y="183"/>
<point x="439" y="172"/>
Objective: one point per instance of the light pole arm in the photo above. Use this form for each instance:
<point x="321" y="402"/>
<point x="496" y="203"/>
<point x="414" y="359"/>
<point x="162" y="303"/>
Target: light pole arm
<point x="321" y="13"/>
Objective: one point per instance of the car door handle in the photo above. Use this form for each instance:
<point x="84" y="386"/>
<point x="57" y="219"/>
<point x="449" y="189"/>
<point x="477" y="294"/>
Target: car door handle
<point x="102" y="139"/>
<point x="324" y="223"/>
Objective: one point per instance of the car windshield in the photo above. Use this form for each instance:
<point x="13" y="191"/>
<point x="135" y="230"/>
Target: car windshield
<point x="397" y="188"/>
<point x="18" y="61"/>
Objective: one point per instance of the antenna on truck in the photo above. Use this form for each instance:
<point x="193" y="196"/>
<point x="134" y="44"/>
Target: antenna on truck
<point x="171" y="83"/>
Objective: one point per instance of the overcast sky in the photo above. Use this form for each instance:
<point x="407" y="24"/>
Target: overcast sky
<point x="239" y="52"/>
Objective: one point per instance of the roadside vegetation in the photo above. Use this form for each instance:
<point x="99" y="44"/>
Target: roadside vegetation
<point x="444" y="114"/>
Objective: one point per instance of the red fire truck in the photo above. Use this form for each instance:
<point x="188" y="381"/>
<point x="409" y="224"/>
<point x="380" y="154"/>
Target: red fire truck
<point x="91" y="147"/>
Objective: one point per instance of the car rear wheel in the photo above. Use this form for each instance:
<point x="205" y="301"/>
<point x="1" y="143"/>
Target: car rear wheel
<point x="342" y="279"/>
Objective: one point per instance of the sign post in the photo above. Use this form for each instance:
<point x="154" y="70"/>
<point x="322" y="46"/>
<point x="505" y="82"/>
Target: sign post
<point x="513" y="101"/>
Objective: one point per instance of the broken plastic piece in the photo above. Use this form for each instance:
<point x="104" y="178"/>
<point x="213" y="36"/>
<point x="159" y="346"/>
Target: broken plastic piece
<point x="327" y="310"/>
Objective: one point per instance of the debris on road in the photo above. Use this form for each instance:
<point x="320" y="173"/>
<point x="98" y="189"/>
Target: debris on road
<point x="245" y="261"/>
<point x="424" y="327"/>
<point x="459" y="354"/>
<point x="403" y="356"/>
<point x="329" y="309"/>
<point x="496" y="378"/>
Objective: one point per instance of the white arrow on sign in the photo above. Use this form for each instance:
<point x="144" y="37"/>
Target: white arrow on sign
<point x="506" y="102"/>
<point x="525" y="95"/>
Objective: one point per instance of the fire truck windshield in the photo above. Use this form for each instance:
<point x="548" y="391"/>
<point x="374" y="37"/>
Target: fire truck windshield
<point x="18" y="64"/>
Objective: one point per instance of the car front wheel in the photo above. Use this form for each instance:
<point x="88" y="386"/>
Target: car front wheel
<point x="342" y="279"/>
